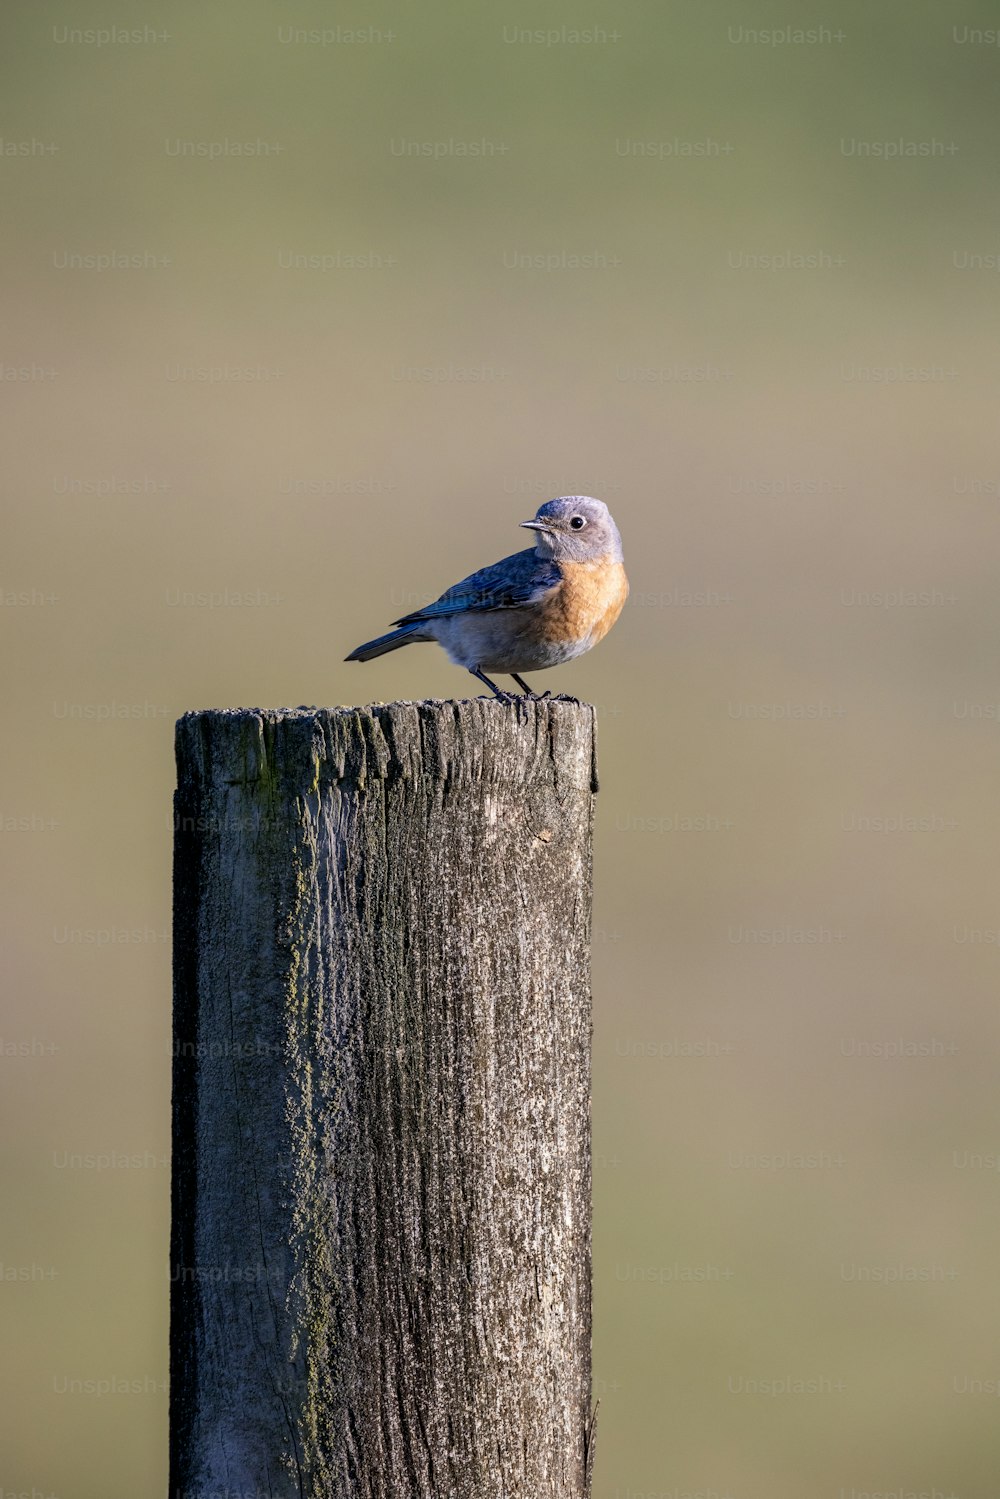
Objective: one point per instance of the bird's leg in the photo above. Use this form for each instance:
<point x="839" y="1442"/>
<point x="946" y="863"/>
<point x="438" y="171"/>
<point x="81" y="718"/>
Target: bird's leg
<point x="497" y="691"/>
<point x="526" y="690"/>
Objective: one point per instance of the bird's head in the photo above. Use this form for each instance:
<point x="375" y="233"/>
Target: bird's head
<point x="575" y="528"/>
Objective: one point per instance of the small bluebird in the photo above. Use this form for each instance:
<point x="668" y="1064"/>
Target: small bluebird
<point x="534" y="609"/>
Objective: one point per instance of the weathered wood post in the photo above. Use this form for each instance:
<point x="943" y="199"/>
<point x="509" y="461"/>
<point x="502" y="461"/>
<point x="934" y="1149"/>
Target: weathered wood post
<point x="380" y="1255"/>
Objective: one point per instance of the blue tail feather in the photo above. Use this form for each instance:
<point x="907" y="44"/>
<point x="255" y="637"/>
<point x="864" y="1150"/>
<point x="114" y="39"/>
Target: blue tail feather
<point x="385" y="643"/>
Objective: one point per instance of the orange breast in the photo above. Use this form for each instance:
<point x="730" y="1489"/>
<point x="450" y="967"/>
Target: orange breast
<point x="591" y="598"/>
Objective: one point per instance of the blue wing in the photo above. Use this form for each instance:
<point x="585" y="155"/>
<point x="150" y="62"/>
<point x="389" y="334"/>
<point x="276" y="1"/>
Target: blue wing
<point x="516" y="581"/>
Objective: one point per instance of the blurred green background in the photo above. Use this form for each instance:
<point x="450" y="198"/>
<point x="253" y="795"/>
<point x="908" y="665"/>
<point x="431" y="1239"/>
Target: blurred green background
<point x="740" y="283"/>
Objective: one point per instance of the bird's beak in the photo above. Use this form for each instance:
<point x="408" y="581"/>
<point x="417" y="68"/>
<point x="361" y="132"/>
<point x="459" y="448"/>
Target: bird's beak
<point x="535" y="525"/>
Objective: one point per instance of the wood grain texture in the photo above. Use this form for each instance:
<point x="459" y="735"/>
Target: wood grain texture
<point x="381" y="1181"/>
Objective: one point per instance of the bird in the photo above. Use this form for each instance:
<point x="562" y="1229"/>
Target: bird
<point x="532" y="610"/>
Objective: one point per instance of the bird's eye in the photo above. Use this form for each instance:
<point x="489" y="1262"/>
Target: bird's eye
<point x="578" y="522"/>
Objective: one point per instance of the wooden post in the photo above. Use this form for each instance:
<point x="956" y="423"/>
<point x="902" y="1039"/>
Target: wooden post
<point x="380" y="1254"/>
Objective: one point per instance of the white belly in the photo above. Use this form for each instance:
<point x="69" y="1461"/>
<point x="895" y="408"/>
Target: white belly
<point x="502" y="641"/>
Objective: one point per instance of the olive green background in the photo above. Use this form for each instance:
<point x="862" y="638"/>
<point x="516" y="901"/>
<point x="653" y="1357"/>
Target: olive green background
<point x="546" y="272"/>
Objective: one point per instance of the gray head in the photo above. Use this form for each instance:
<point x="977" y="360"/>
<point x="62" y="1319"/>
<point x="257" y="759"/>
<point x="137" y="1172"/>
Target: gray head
<point x="576" y="528"/>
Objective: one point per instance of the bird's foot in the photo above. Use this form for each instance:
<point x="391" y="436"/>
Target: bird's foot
<point x="527" y="691"/>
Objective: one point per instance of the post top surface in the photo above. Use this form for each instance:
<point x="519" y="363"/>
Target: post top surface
<point x="314" y="710"/>
<point x="458" y="741"/>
